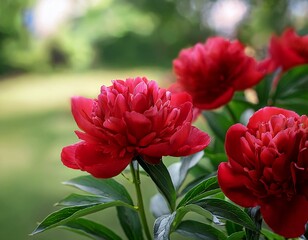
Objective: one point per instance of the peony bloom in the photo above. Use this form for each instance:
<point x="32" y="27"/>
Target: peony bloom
<point x="213" y="71"/>
<point x="128" y="119"/>
<point x="268" y="166"/>
<point x="287" y="51"/>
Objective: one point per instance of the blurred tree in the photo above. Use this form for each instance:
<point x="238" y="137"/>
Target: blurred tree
<point x="155" y="38"/>
<point x="19" y="49"/>
<point x="128" y="33"/>
<point x="11" y="31"/>
<point x="265" y="18"/>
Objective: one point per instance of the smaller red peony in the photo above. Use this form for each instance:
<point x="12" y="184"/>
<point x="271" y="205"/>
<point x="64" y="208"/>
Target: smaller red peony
<point x="287" y="51"/>
<point x="128" y="119"/>
<point x="268" y="167"/>
<point x="213" y="71"/>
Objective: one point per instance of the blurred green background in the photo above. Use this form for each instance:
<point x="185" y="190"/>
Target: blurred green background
<point x="51" y="50"/>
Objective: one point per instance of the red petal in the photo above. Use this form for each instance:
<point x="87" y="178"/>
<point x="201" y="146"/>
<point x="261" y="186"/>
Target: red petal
<point x="119" y="106"/>
<point x="179" y="137"/>
<point x="88" y="138"/>
<point x="141" y="87"/>
<point x="233" y="143"/>
<point x="234" y="187"/>
<point x="68" y="156"/>
<point x="265" y="114"/>
<point x="203" y="102"/>
<point x="156" y="150"/>
<point x="137" y="124"/>
<point x="82" y="110"/>
<point x="110" y="168"/>
<point x="267" y="65"/>
<point x="139" y="103"/>
<point x="281" y="168"/>
<point x="178" y="98"/>
<point x="183" y="143"/>
<point x="282" y="51"/>
<point x="249" y="75"/>
<point x="287" y="218"/>
<point x="195" y="142"/>
<point x="98" y="162"/>
<point x="185" y="113"/>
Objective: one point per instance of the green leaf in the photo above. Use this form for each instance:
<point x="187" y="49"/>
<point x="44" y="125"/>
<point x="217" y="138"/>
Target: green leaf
<point x="232" y="227"/>
<point x="292" y="89"/>
<point x="162" y="226"/>
<point x="201" y="171"/>
<point x="197" y="180"/>
<point x="182" y="211"/>
<point x="226" y="210"/>
<point x="178" y="171"/>
<point x="239" y="108"/>
<point x="161" y="177"/>
<point x="197" y="230"/>
<point x="108" y="188"/>
<point x="75" y="200"/>
<point x="270" y="235"/>
<point x="292" y="80"/>
<point x="239" y="104"/>
<point x="67" y="214"/>
<point x="159" y="206"/>
<point x="215" y="157"/>
<point x="194" y="208"/>
<point x="108" y="193"/>
<point x="130" y="222"/>
<point x="91" y="229"/>
<point x="264" y="89"/>
<point x="204" y="189"/>
<point x="218" y="122"/>
<point x="237" y="236"/>
<point x="300" y="106"/>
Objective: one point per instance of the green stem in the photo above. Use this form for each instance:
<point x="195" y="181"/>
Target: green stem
<point x="137" y="182"/>
<point x="231" y="113"/>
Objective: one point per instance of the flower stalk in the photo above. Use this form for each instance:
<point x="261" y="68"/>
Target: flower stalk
<point x="134" y="168"/>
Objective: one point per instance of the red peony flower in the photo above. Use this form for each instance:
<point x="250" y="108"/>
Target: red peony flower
<point x="213" y="71"/>
<point x="287" y="51"/>
<point x="268" y="166"/>
<point x="131" y="118"/>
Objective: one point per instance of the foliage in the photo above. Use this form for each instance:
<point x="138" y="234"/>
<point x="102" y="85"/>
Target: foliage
<point x="191" y="186"/>
<point x="126" y="33"/>
<point x="180" y="190"/>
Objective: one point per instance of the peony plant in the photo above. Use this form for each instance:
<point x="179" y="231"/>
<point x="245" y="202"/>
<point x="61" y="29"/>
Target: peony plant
<point x="268" y="167"/>
<point x="131" y="119"/>
<point x="213" y="71"/>
<point x="247" y="177"/>
<point x="287" y="51"/>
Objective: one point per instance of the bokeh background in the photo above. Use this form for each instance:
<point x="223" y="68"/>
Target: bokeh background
<point x="51" y="50"/>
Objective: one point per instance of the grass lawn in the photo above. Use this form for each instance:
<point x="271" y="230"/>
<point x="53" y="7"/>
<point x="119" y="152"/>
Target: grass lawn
<point x="35" y="123"/>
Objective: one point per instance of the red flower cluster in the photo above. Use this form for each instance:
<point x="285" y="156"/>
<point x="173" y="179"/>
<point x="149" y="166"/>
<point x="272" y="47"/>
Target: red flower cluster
<point x="213" y="71"/>
<point x="268" y="166"/>
<point x="287" y="51"/>
<point x="131" y="118"/>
